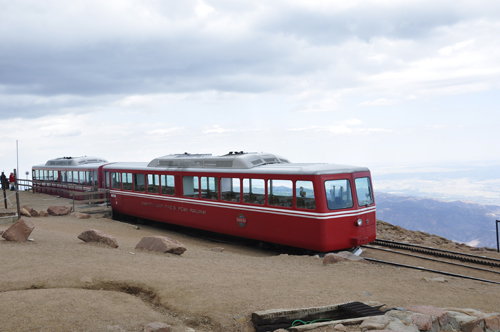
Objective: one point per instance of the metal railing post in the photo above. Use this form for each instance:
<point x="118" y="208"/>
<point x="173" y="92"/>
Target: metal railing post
<point x="498" y="241"/>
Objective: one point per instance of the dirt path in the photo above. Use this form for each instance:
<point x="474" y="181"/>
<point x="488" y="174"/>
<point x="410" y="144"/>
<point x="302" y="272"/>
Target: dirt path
<point x="59" y="283"/>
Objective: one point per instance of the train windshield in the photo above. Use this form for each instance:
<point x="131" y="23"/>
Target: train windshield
<point x="364" y="191"/>
<point x="338" y="194"/>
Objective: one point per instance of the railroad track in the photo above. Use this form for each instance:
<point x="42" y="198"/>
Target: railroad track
<point x="472" y="267"/>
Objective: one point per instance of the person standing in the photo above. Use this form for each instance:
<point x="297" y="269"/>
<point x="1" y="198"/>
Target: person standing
<point x="5" y="183"/>
<point x="12" y="181"/>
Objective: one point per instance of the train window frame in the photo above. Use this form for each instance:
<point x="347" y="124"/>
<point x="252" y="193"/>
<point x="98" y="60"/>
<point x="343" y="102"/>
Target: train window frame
<point x="75" y="178"/>
<point x="165" y="188"/>
<point x="63" y="177"/>
<point x="339" y="203"/>
<point x="127" y="181"/>
<point x="81" y="178"/>
<point x="191" y="186"/>
<point x="116" y="180"/>
<point x="367" y="193"/>
<point x="303" y="197"/>
<point x="285" y="198"/>
<point x="228" y="192"/>
<point x="139" y="182"/>
<point x="153" y="183"/>
<point x="251" y="191"/>
<point x="209" y="187"/>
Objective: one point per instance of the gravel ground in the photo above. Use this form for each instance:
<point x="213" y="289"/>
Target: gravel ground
<point x="59" y="283"/>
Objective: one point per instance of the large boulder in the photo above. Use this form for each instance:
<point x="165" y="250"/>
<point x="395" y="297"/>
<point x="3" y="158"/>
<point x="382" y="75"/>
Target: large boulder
<point x="161" y="244"/>
<point x="59" y="210"/>
<point x="19" y="231"/>
<point x="94" y="235"/>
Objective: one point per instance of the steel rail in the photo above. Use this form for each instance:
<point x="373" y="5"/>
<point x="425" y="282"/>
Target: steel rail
<point x="430" y="270"/>
<point x="430" y="259"/>
<point x="440" y="252"/>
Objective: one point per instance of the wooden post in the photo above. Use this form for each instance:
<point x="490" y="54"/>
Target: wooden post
<point x="17" y="196"/>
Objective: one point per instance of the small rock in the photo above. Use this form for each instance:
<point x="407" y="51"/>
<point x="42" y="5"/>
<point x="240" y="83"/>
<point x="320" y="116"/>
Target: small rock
<point x="375" y="323"/>
<point x="43" y="213"/>
<point x="439" y="279"/>
<point x="156" y="327"/>
<point x="240" y="319"/>
<point x="332" y="258"/>
<point x="218" y="249"/>
<point x="94" y="235"/>
<point x="25" y="212"/>
<point x="31" y="211"/>
<point x="442" y="316"/>
<point x="492" y="322"/>
<point x="423" y="322"/>
<point x="80" y="215"/>
<point x="340" y="327"/>
<point x="86" y="279"/>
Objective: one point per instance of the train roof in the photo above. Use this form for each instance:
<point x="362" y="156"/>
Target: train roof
<point x="239" y="162"/>
<point x="235" y="160"/>
<point x="74" y="161"/>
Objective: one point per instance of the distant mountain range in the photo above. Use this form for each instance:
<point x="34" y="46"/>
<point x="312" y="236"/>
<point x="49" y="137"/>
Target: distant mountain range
<point x="459" y="221"/>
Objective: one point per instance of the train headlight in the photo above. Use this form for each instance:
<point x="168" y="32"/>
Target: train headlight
<point x="359" y="222"/>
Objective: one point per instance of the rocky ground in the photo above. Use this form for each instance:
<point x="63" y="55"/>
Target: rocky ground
<point x="59" y="283"/>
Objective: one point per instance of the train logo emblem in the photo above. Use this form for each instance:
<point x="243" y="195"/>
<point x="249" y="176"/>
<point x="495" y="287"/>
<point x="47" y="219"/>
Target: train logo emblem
<point x="241" y="220"/>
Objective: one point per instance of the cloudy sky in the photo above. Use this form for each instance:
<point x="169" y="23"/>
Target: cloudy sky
<point x="369" y="83"/>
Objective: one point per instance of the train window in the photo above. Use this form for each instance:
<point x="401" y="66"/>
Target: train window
<point x="88" y="178"/>
<point x="56" y="176"/>
<point x="230" y="189"/>
<point x="127" y="181"/>
<point x="363" y="191"/>
<point x="116" y="182"/>
<point x="106" y="180"/>
<point x="33" y="174"/>
<point x="209" y="187"/>
<point x="167" y="185"/>
<point x="63" y="177"/>
<point x="280" y="192"/>
<point x="191" y="186"/>
<point x="153" y="183"/>
<point x="51" y="175"/>
<point x="254" y="191"/>
<point x="95" y="178"/>
<point x="75" y="177"/>
<point x="338" y="194"/>
<point x="70" y="177"/>
<point x="139" y="182"/>
<point x="82" y="177"/>
<point x="45" y="175"/>
<point x="304" y="191"/>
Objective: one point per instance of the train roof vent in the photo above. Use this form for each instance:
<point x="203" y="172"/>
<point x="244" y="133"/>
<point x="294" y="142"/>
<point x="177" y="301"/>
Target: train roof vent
<point x="235" y="160"/>
<point x="74" y="161"/>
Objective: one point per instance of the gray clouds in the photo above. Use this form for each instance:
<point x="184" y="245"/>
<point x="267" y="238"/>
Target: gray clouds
<point x="92" y="50"/>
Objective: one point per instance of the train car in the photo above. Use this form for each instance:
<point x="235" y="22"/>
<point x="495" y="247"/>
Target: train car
<point x="261" y="196"/>
<point x="62" y="176"/>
